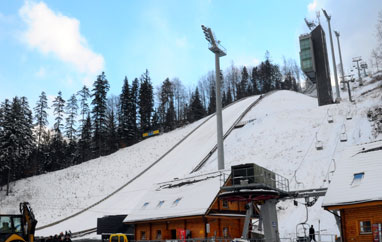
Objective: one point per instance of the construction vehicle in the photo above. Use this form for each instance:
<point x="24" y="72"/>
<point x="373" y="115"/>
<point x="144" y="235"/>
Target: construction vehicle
<point x="18" y="227"/>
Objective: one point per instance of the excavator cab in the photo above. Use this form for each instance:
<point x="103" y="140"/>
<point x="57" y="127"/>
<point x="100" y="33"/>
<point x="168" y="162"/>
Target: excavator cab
<point x="20" y="227"/>
<point x="11" y="228"/>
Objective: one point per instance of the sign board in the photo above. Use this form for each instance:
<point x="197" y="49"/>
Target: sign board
<point x="182" y="235"/>
<point x="151" y="133"/>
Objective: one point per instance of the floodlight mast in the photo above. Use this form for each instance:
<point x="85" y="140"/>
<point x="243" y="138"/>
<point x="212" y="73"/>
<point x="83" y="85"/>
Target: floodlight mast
<point x="342" y="65"/>
<point x="218" y="50"/>
<point x="333" y="57"/>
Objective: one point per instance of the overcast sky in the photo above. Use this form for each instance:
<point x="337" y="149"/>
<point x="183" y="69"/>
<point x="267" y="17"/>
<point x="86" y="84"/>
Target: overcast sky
<point x="62" y="45"/>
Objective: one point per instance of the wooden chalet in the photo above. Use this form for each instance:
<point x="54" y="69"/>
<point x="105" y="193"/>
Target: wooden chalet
<point x="356" y="193"/>
<point x="187" y="208"/>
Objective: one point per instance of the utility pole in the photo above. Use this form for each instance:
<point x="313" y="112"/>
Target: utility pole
<point x="219" y="51"/>
<point x="342" y="66"/>
<point x="333" y="57"/>
<point x="358" y="59"/>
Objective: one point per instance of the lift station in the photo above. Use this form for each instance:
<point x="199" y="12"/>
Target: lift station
<point x="262" y="189"/>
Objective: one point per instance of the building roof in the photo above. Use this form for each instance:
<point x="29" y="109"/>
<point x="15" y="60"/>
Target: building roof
<point x="358" y="177"/>
<point x="178" y="198"/>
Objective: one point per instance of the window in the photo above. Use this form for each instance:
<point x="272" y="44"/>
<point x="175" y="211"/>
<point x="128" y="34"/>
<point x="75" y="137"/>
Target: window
<point x="357" y="178"/>
<point x="159" y="234"/>
<point x="160" y="204"/>
<point x="225" y="204"/>
<point x="365" y="227"/>
<point x="145" y="204"/>
<point x="225" y="232"/>
<point x="5" y="224"/>
<point x="17" y="224"/>
<point x="143" y="235"/>
<point x="176" y="201"/>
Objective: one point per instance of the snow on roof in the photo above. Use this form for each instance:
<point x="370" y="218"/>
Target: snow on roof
<point x="358" y="178"/>
<point x="178" y="198"/>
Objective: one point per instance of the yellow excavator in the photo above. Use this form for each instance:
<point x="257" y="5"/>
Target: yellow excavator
<point x="20" y="227"/>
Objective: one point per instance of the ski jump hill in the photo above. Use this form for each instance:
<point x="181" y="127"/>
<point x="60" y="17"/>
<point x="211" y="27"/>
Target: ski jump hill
<point x="280" y="132"/>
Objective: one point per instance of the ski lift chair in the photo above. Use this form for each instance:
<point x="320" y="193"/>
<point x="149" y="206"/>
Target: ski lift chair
<point x="349" y="115"/>
<point x="343" y="135"/>
<point x="319" y="144"/>
<point x="330" y="117"/>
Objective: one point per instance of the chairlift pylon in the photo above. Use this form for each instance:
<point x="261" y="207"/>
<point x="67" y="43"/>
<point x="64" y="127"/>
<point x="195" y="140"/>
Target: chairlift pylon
<point x="319" y="144"/>
<point x="343" y="135"/>
<point x="330" y="116"/>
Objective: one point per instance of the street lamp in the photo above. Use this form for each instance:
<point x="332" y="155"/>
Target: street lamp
<point x="342" y="66"/>
<point x="333" y="57"/>
<point x="219" y="51"/>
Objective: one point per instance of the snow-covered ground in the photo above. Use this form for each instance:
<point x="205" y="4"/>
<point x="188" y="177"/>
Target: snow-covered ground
<point x="280" y="137"/>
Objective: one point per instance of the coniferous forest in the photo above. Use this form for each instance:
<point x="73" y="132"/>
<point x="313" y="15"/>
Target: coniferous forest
<point x="93" y="123"/>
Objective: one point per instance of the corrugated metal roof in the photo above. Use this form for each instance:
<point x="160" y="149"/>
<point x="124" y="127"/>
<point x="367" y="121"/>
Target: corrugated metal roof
<point x="347" y="187"/>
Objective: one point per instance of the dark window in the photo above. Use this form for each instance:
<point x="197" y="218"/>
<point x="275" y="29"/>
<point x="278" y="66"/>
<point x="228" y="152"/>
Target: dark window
<point x="159" y="234"/>
<point x="173" y="234"/>
<point x="225" y="232"/>
<point x="114" y="239"/>
<point x="225" y="204"/>
<point x="365" y="227"/>
<point x="143" y="235"/>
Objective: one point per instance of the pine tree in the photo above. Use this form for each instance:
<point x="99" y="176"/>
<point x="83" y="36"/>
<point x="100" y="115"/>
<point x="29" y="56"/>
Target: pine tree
<point x="133" y="110"/>
<point x="124" y="132"/>
<point x="84" y="95"/>
<point x="254" y="80"/>
<point x="212" y="102"/>
<point x="166" y="97"/>
<point x="111" y="136"/>
<point x="41" y="117"/>
<point x="170" y="117"/>
<point x="229" y="96"/>
<point x="146" y="101"/>
<point x="85" y="141"/>
<point x="71" y="119"/>
<point x="16" y="139"/>
<point x="99" y="117"/>
<point x="243" y="85"/>
<point x="27" y="140"/>
<point x="58" y="111"/>
<point x="196" y="108"/>
<point x="8" y="141"/>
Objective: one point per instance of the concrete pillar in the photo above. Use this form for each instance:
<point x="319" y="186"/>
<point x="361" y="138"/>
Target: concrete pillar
<point x="270" y="224"/>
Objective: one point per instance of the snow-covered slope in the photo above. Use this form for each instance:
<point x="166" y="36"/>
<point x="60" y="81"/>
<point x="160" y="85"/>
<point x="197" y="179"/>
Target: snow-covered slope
<point x="280" y="137"/>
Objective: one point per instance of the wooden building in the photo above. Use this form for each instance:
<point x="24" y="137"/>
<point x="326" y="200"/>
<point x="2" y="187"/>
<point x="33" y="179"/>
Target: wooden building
<point x="356" y="193"/>
<point x="187" y="208"/>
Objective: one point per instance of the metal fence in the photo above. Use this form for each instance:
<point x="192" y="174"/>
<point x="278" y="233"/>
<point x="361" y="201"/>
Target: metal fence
<point x="318" y="237"/>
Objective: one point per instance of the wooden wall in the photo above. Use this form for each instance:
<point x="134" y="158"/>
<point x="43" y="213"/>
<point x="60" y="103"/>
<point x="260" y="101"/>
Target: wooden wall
<point x="197" y="224"/>
<point x="351" y="218"/>
<point x="197" y="227"/>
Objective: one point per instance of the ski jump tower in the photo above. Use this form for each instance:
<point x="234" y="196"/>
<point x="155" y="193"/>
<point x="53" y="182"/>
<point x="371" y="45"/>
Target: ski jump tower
<point x="315" y="63"/>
